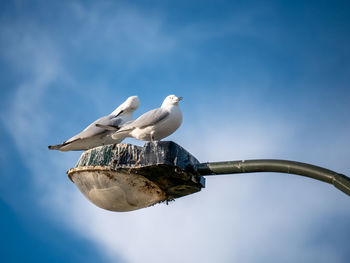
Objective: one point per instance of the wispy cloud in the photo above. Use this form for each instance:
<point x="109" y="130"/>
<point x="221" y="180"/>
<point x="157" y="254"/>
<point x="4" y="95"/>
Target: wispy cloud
<point x="36" y="61"/>
<point x="35" y="58"/>
<point x="121" y="33"/>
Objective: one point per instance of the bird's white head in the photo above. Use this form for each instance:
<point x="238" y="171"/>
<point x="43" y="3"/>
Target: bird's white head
<point x="132" y="103"/>
<point x="128" y="106"/>
<point x="171" y="100"/>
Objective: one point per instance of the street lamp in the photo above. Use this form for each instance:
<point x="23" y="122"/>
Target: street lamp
<point x="125" y="177"/>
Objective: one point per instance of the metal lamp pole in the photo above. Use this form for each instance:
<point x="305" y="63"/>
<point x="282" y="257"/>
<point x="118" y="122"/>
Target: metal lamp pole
<point x="340" y="181"/>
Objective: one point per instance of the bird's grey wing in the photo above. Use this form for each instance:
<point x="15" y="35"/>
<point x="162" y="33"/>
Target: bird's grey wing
<point x="92" y="130"/>
<point x="90" y="136"/>
<point x="108" y="127"/>
<point x="148" y="119"/>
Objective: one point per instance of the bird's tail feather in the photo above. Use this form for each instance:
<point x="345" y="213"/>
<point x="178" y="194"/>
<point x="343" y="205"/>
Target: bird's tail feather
<point x="59" y="146"/>
<point x="54" y="147"/>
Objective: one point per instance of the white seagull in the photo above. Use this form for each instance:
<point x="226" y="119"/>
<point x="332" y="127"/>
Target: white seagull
<point x="93" y="136"/>
<point x="153" y="125"/>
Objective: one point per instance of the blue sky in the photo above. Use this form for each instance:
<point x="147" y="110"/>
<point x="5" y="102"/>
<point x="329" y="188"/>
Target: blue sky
<point x="259" y="80"/>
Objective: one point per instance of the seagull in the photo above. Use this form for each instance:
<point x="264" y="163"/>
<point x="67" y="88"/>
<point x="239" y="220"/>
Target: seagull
<point x="153" y="125"/>
<point x="93" y="136"/>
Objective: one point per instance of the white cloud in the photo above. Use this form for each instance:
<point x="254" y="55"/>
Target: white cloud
<point x="236" y="218"/>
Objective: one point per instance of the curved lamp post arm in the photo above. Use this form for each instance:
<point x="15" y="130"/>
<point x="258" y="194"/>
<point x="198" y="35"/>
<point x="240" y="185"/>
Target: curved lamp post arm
<point x="340" y="181"/>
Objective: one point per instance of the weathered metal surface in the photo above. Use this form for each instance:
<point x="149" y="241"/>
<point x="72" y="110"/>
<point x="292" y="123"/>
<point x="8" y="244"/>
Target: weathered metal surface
<point x="126" y="177"/>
